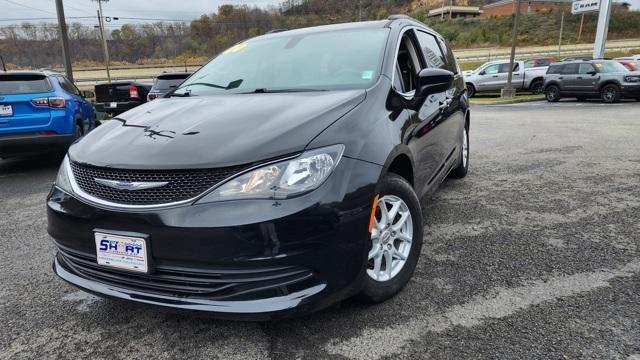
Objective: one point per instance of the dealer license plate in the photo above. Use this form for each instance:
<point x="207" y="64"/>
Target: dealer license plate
<point x="113" y="105"/>
<point x="6" y="110"/>
<point x="122" y="252"/>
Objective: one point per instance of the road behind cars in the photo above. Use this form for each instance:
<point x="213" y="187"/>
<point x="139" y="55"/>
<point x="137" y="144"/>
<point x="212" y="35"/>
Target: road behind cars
<point x="534" y="255"/>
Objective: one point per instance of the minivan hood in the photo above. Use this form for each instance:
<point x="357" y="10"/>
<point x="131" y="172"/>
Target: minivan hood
<point x="213" y="131"/>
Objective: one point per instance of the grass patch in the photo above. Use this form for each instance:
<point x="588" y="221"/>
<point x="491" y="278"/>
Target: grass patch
<point x="495" y="99"/>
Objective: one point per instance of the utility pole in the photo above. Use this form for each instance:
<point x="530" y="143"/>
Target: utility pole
<point x="509" y="91"/>
<point x="442" y="12"/>
<point x="580" y="30"/>
<point x="603" y="28"/>
<point x="64" y="38"/>
<point x="561" y="29"/>
<point x="104" y="38"/>
<point x="450" y="9"/>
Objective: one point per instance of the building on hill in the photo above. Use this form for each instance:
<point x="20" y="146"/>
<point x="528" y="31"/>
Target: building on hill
<point x="505" y="7"/>
<point x="455" y="12"/>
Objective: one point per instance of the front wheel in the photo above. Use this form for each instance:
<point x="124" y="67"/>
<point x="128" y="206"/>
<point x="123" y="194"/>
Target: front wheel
<point x="552" y="93"/>
<point x="610" y="93"/>
<point x="396" y="240"/>
<point x="471" y="90"/>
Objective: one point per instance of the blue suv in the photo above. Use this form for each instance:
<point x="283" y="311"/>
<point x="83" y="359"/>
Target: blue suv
<point x="41" y="111"/>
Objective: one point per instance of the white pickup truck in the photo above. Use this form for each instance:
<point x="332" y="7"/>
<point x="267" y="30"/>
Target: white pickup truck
<point x="492" y="76"/>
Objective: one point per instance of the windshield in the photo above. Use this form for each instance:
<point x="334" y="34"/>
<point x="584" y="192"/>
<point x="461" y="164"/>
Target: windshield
<point x="23" y="84"/>
<point x="302" y="62"/>
<point x="610" y="67"/>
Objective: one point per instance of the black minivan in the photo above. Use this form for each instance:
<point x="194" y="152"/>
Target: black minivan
<point x="282" y="177"/>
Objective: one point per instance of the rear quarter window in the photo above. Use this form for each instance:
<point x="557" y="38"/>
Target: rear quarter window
<point x="554" y="69"/>
<point x="24" y="84"/>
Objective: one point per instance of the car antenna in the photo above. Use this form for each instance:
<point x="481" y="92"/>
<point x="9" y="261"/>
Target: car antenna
<point x="4" y="66"/>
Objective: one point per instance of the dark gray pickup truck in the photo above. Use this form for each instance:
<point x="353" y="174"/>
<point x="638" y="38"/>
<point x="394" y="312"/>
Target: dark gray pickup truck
<point x="117" y="97"/>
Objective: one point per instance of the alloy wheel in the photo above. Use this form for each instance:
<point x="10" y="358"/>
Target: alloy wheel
<point x="391" y="238"/>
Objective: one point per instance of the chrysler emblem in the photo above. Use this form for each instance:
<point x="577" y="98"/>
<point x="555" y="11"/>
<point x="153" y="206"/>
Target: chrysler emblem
<point x="130" y="185"/>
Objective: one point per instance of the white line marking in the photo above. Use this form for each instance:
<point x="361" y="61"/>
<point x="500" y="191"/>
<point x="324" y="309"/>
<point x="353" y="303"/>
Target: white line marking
<point x="376" y="343"/>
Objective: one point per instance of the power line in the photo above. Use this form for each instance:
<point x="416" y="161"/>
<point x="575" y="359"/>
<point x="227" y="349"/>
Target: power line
<point x="28" y="7"/>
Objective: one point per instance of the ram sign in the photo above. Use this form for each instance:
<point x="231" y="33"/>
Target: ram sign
<point x="583" y="6"/>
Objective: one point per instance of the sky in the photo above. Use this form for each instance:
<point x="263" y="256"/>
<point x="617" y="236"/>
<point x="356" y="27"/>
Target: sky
<point x="154" y="9"/>
<point x="186" y="10"/>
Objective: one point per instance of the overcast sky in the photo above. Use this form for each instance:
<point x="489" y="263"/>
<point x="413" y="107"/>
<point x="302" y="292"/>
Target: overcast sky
<point x="156" y="9"/>
<point x="153" y="9"/>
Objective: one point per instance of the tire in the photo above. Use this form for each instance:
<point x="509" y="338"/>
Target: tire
<point x="463" y="162"/>
<point x="610" y="93"/>
<point x="552" y="93"/>
<point x="382" y="284"/>
<point x="536" y="87"/>
<point x="77" y="132"/>
<point x="471" y="90"/>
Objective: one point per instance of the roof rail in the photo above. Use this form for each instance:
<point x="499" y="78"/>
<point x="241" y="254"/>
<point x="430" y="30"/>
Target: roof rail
<point x="399" y="16"/>
<point x="276" y="31"/>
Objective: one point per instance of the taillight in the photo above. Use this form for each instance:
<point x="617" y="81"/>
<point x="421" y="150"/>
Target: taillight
<point x="57" y="102"/>
<point x="54" y="102"/>
<point x="133" y="92"/>
<point x="40" y="102"/>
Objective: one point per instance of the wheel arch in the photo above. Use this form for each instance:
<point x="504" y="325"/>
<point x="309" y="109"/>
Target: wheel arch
<point x="400" y="162"/>
<point x="608" y="82"/>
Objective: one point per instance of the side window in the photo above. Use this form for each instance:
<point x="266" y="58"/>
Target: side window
<point x="67" y="85"/>
<point x="504" y="68"/>
<point x="431" y="50"/>
<point x="585" y="68"/>
<point x="570" y="69"/>
<point x="491" y="69"/>
<point x="554" y="69"/>
<point x="452" y="64"/>
<point x="408" y="63"/>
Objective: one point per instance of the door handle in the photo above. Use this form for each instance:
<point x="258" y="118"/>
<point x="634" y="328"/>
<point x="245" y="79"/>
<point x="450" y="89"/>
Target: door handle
<point x="579" y="77"/>
<point x="560" y="77"/>
<point x="495" y="76"/>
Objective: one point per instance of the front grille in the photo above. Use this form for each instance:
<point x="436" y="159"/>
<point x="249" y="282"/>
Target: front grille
<point x="222" y="283"/>
<point x="182" y="184"/>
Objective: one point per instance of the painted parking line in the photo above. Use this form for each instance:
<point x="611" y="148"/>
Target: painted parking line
<point x="377" y="343"/>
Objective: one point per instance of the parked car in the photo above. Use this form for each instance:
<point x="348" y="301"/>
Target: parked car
<point x="262" y="189"/>
<point x="166" y="82"/>
<point x="607" y="79"/>
<point x="117" y="97"/>
<point x="629" y="63"/>
<point x="578" y="57"/>
<point x="539" y="61"/>
<point x="492" y="76"/>
<point x="41" y="111"/>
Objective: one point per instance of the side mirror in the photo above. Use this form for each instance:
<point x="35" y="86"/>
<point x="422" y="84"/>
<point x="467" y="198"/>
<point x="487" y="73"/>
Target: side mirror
<point x="433" y="81"/>
<point x="88" y="94"/>
<point x="592" y="72"/>
<point x="482" y="73"/>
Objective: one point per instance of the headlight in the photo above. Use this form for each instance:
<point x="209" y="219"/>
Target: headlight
<point x="62" y="180"/>
<point x="281" y="180"/>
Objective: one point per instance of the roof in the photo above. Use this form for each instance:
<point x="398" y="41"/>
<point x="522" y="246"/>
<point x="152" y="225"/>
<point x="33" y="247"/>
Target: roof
<point x="508" y="2"/>
<point x="45" y="72"/>
<point x="455" y="10"/>
<point x="333" y="27"/>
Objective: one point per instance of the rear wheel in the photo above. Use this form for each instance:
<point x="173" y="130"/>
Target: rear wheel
<point x="552" y="93"/>
<point x="471" y="90"/>
<point x="396" y="240"/>
<point x="610" y="93"/>
<point x="536" y="87"/>
<point x="463" y="167"/>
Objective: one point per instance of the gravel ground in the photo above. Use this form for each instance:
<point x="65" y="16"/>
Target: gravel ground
<point x="534" y="255"/>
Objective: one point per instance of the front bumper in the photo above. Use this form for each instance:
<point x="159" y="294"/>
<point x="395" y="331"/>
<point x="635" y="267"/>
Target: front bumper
<point x="25" y="143"/>
<point x="245" y="259"/>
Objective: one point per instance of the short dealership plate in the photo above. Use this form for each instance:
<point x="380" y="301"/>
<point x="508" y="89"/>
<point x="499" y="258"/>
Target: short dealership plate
<point x="122" y="252"/>
<point x="6" y="110"/>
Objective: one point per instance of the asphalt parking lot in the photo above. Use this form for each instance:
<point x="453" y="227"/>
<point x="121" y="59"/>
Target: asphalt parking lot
<point x="534" y="255"/>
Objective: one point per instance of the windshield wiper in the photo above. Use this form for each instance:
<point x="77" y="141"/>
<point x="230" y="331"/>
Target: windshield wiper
<point x="292" y="90"/>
